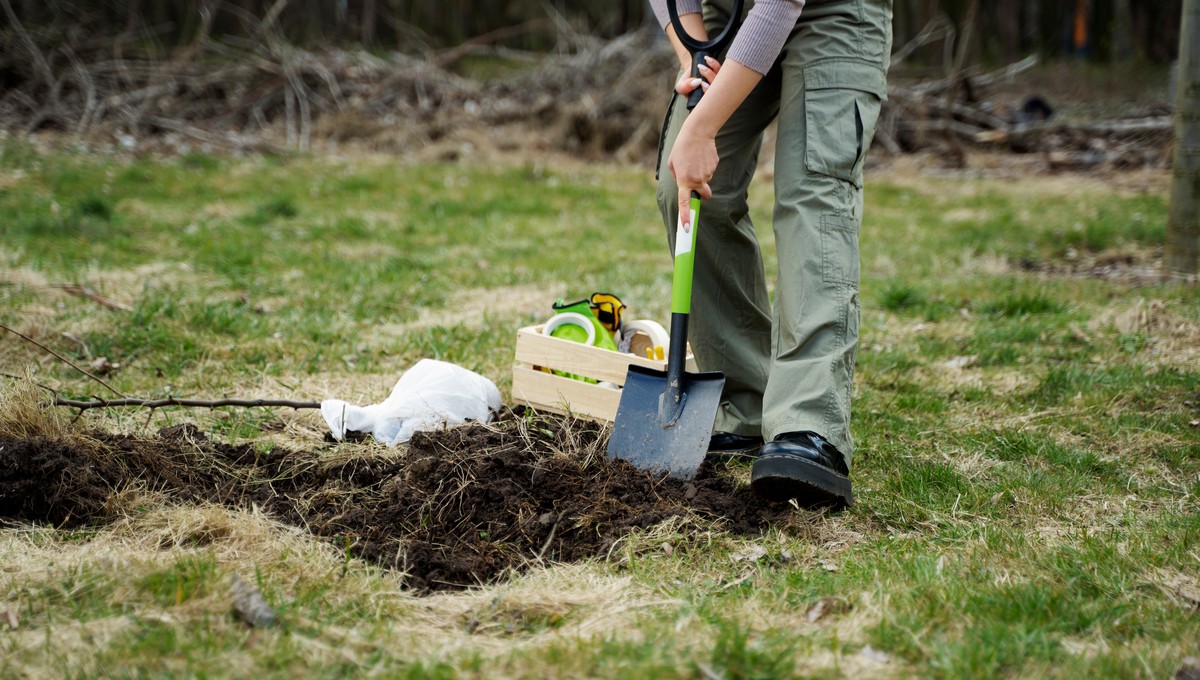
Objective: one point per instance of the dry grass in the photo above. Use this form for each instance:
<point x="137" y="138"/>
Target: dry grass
<point x="1026" y="175"/>
<point x="24" y="411"/>
<point x="476" y="307"/>
<point x="1173" y="339"/>
<point x="540" y="608"/>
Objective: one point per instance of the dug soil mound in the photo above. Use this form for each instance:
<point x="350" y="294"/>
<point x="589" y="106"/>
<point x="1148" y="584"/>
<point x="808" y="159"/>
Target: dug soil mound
<point x="456" y="508"/>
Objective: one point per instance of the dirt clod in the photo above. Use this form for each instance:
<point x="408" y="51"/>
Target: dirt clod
<point x="459" y="507"/>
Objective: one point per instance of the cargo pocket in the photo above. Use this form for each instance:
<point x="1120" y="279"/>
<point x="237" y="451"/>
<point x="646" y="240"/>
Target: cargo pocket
<point x="841" y="107"/>
<point x="839" y="250"/>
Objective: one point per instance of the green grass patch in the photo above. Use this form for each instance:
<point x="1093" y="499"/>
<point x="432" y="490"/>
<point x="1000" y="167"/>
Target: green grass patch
<point x="898" y="297"/>
<point x="274" y="208"/>
<point x="188" y="578"/>
<point x="1022" y="304"/>
<point x="1024" y="468"/>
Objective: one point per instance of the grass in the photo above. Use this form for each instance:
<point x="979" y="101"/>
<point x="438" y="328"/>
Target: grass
<point x="1027" y="463"/>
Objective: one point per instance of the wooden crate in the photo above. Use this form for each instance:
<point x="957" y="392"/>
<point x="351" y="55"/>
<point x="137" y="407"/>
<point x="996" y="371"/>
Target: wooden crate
<point x="549" y="392"/>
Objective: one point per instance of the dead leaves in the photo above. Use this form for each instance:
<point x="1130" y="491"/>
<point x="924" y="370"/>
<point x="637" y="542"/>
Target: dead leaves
<point x="826" y="607"/>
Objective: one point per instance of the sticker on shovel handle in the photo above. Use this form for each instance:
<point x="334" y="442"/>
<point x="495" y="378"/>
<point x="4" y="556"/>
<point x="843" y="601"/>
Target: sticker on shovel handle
<point x="684" y="234"/>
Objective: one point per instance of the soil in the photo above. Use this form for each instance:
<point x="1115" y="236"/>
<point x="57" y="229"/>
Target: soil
<point x="459" y="507"/>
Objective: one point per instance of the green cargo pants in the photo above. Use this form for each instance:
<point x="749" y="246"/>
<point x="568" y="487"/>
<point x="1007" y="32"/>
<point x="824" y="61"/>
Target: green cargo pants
<point x="789" y="367"/>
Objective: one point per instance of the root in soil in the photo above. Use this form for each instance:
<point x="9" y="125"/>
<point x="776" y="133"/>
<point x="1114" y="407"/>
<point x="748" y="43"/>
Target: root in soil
<point x="457" y="508"/>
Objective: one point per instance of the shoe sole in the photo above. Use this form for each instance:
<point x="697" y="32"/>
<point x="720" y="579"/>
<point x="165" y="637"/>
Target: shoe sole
<point x="782" y="478"/>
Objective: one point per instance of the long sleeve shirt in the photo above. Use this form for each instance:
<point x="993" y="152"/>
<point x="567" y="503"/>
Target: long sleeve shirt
<point x="760" y="37"/>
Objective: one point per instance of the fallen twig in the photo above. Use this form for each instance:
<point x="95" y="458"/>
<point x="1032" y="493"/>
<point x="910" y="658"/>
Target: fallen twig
<point x="61" y="358"/>
<point x="84" y="405"/>
<point x="88" y="293"/>
<point x="174" y="401"/>
<point x="1116" y="127"/>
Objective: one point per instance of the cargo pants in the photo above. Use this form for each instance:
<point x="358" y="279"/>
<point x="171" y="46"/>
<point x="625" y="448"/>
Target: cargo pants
<point x="789" y="366"/>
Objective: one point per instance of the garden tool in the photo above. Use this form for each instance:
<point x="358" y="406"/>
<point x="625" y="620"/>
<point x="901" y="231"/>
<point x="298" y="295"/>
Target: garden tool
<point x="603" y="338"/>
<point x="608" y="309"/>
<point x="665" y="418"/>
<point x="701" y="49"/>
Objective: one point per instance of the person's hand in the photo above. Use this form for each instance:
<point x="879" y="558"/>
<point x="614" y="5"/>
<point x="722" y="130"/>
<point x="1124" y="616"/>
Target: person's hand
<point x="708" y="71"/>
<point x="694" y="157"/>
<point x="693" y="161"/>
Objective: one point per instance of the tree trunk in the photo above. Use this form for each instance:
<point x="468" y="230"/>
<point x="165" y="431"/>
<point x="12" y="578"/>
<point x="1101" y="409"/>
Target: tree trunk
<point x="1032" y="35"/>
<point x="957" y="155"/>
<point x="1122" y="31"/>
<point x="1008" y="29"/>
<point x="1182" y="252"/>
<point x="368" y="23"/>
<point x="133" y="14"/>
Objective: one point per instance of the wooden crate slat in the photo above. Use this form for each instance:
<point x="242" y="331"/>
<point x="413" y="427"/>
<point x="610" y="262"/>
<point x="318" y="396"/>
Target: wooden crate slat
<point x="536" y="349"/>
<point x="558" y="395"/>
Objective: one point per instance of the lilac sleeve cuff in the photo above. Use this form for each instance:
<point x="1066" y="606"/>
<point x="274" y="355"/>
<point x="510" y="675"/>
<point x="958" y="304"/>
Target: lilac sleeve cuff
<point x="761" y="37"/>
<point x="684" y="7"/>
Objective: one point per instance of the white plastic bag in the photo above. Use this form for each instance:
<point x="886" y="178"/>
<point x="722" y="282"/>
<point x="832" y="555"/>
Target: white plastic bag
<point x="429" y="395"/>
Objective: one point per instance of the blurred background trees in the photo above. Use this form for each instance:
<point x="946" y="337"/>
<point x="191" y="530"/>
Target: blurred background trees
<point x="589" y="76"/>
<point x="1098" y="30"/>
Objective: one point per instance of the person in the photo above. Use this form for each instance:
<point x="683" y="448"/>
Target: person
<point x="818" y="68"/>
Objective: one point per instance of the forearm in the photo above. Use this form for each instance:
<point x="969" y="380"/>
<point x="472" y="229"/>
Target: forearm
<point x="694" y="25"/>
<point x="759" y="40"/>
<point x="727" y="92"/>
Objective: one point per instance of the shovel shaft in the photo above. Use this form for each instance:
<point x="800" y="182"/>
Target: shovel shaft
<point x="681" y="306"/>
<point x="672" y="399"/>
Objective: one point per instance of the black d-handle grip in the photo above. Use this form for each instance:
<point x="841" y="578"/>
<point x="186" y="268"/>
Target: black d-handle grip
<point x="703" y="48"/>
<point x="695" y="95"/>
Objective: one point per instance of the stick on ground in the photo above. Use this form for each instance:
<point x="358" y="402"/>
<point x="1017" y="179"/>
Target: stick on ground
<point x="61" y="358"/>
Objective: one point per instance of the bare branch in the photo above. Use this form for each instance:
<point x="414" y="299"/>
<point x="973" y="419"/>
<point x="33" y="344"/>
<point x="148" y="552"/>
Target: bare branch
<point x="268" y="21"/>
<point x="173" y="401"/>
<point x="89" y="294"/>
<point x="88" y="84"/>
<point x="39" y="59"/>
<point x="85" y="404"/>
<point x="452" y="55"/>
<point x="940" y="27"/>
<point x="61" y="357"/>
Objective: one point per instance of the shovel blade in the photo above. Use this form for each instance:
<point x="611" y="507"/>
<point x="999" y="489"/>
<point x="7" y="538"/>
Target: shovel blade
<point x="663" y="437"/>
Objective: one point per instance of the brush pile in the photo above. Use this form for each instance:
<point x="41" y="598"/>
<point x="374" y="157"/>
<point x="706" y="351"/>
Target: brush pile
<point x="970" y="107"/>
<point x="949" y="113"/>
<point x="590" y="97"/>
<point x="269" y="95"/>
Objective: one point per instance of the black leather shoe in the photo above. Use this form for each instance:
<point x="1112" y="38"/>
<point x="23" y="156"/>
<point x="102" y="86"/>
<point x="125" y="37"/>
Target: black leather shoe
<point x="725" y="446"/>
<point x="803" y="466"/>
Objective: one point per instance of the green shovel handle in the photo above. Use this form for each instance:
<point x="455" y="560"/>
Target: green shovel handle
<point x="685" y="256"/>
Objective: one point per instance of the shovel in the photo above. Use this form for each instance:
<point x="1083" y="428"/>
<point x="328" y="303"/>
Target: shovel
<point x="665" y="418"/>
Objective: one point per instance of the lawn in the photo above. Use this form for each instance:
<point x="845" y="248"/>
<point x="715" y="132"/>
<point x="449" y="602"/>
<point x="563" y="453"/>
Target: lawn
<point x="1027" y="421"/>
